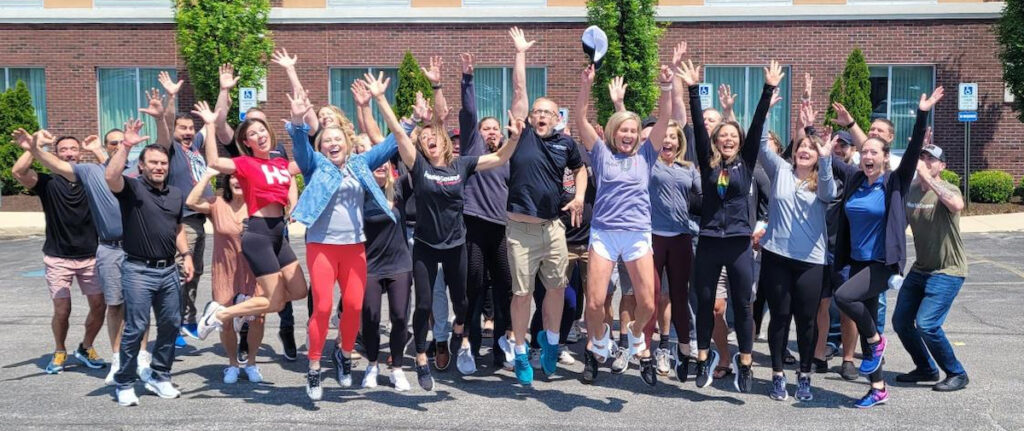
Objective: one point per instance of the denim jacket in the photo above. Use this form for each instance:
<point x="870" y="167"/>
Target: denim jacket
<point x="323" y="178"/>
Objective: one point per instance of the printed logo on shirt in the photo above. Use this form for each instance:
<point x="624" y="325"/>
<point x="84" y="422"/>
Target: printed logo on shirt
<point x="443" y="180"/>
<point x="559" y="147"/>
<point x="568" y="181"/>
<point x="276" y="175"/>
<point x="920" y="206"/>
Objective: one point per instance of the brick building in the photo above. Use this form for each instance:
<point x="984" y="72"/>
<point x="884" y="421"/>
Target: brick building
<point x="87" y="61"/>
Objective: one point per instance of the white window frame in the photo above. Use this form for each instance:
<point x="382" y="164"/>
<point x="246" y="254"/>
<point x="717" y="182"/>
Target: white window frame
<point x="504" y="3"/>
<point x="103" y="4"/>
<point x="748" y="2"/>
<point x="21" y="4"/>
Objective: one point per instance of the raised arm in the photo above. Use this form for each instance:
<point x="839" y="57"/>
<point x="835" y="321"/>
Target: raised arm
<point x="115" y="169"/>
<point x="228" y="80"/>
<point x="500" y="157"/>
<point x="156" y="108"/>
<point x="377" y="86"/>
<point x="768" y="159"/>
<point x="772" y="77"/>
<point x="588" y="136"/>
<point x="827" y="190"/>
<point x="845" y="119"/>
<point x="434" y="75"/>
<point x="213" y="159"/>
<point x="171" y="106"/>
<point x="520" y="100"/>
<point x="678" y="87"/>
<point x="282" y="58"/>
<point x="364" y="115"/>
<point x="727" y="99"/>
<point x="55" y="164"/>
<point x="468" y="120"/>
<point x="908" y="164"/>
<point x="702" y="141"/>
<point x="195" y="200"/>
<point x="657" y="136"/>
<point x="22" y="169"/>
<point x="617" y="93"/>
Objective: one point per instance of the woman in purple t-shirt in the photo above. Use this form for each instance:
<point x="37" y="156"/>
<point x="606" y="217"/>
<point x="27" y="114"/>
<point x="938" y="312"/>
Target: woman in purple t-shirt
<point x="621" y="225"/>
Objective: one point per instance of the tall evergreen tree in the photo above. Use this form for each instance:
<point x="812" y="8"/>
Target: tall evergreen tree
<point x="16" y="112"/>
<point x="410" y="80"/>
<point x="633" y="35"/>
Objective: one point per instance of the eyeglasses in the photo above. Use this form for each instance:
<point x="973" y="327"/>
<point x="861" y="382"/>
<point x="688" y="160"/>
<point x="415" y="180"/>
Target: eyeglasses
<point x="544" y="113"/>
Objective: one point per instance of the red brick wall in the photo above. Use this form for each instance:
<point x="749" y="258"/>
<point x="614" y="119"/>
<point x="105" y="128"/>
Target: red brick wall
<point x="961" y="51"/>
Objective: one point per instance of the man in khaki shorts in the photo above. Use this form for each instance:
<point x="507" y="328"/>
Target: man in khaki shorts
<point x="536" y="236"/>
<point x="70" y="247"/>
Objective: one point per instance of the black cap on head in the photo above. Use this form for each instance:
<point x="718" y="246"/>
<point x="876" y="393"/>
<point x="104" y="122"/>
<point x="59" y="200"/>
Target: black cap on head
<point x="648" y="122"/>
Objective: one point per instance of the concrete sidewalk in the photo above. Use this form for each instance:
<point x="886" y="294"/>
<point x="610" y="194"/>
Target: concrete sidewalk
<point x="25" y="224"/>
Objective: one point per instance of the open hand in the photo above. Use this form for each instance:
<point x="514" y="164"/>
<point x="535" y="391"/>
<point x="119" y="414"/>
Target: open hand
<point x="519" y="39"/>
<point x="228" y="79"/>
<point x="376" y="85"/>
<point x="170" y="86"/>
<point x="203" y="111"/>
<point x="678" y="53"/>
<point x="23" y="139"/>
<point x="773" y="74"/>
<point x="155" y="107"/>
<point x="927" y="103"/>
<point x="131" y="133"/>
<point x="689" y="72"/>
<point x="434" y="73"/>
<point x="282" y="59"/>
<point x="726" y="98"/>
<point x="467" y="63"/>
<point x="843" y="117"/>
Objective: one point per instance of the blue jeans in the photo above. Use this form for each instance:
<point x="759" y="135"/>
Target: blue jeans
<point x="147" y="288"/>
<point x="922" y="306"/>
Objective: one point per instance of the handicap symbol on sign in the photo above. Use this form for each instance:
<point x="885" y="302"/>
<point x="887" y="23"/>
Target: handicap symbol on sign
<point x="704" y="90"/>
<point x="968" y="90"/>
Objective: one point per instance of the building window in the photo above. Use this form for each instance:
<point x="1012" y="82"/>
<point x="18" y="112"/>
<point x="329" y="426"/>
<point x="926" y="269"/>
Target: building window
<point x="364" y="3"/>
<point x="746" y="83"/>
<point x="132" y="3"/>
<point x="748" y="2"/>
<point x="504" y="3"/>
<point x="121" y="92"/>
<point x="35" y="79"/>
<point x="341" y="96"/>
<point x="494" y="90"/>
<point x="21" y="3"/>
<point x="895" y="93"/>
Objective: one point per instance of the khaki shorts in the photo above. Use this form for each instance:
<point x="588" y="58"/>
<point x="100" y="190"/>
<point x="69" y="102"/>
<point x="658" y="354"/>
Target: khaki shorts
<point x="536" y="249"/>
<point x="61" y="272"/>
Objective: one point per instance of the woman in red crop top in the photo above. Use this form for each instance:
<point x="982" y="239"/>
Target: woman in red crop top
<point x="265" y="182"/>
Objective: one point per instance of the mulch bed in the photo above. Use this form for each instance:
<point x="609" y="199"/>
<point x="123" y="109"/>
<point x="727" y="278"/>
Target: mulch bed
<point x="20" y="203"/>
<point x="976" y="208"/>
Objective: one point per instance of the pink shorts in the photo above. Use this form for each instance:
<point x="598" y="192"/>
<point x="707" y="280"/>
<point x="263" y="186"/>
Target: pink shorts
<point x="60" y="272"/>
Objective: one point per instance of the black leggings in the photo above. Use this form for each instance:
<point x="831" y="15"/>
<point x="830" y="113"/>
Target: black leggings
<point x="399" y="288"/>
<point x="424" y="271"/>
<point x="735" y="255"/>
<point x="793" y="290"/>
<point x="264" y="246"/>
<point x="858" y="299"/>
<point x="679" y="251"/>
<point x="486" y="247"/>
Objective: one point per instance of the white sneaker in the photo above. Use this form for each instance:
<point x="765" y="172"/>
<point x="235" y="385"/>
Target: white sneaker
<point x="506" y="348"/>
<point x="465" y="362"/>
<point x="163" y="389"/>
<point x="564" y="356"/>
<point x="663" y="361"/>
<point x="370" y="377"/>
<point x="231" y="375"/>
<point x="143" y="365"/>
<point x="126" y="397"/>
<point x="207" y="323"/>
<point x="535" y="358"/>
<point x="398" y="380"/>
<point x="314" y="389"/>
<point x="252" y="373"/>
<point x="115" y="365"/>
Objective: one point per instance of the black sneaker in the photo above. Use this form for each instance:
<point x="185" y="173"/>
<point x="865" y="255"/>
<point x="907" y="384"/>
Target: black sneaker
<point x="287" y="336"/>
<point x="243" y="345"/>
<point x="952" y="383"/>
<point x="682" y="366"/>
<point x="424" y="377"/>
<point x="704" y="377"/>
<point x="849" y="371"/>
<point x="313" y="387"/>
<point x="918" y="375"/>
<point x="648" y="372"/>
<point x="820" y="365"/>
<point x="342" y="367"/>
<point x="590" y="366"/>
<point x="744" y="375"/>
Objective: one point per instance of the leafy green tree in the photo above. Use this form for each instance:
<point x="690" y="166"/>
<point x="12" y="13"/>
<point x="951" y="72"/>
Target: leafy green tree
<point x="16" y="112"/>
<point x="853" y="90"/>
<point x="633" y="35"/>
<point x="410" y="80"/>
<point x="214" y="32"/>
<point x="1010" y="30"/>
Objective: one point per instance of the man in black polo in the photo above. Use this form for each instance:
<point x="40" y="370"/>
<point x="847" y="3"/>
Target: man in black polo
<point x="151" y="217"/>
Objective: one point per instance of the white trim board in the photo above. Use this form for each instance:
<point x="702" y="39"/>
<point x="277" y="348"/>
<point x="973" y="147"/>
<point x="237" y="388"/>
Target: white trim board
<point x="723" y="13"/>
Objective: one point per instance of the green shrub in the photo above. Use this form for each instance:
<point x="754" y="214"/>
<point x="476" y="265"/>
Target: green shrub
<point x="1019" y="191"/>
<point x="16" y="112"/>
<point x="950" y="177"/>
<point x="853" y="90"/>
<point x="991" y="186"/>
<point x="300" y="182"/>
<point x="411" y="79"/>
<point x="1010" y="30"/>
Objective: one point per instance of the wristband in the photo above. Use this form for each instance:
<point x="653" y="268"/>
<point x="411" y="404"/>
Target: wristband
<point x="436" y="87"/>
<point x="666" y="87"/>
<point x="852" y="123"/>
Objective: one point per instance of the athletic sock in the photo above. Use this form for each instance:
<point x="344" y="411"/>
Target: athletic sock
<point x="552" y="337"/>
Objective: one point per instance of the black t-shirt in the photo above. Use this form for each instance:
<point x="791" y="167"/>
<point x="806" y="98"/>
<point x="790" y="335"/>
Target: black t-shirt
<point x="405" y="183"/>
<point x="579" y="235"/>
<point x="387" y="248"/>
<point x="536" y="173"/>
<point x="70" y="233"/>
<point x="439" y="201"/>
<point x="150" y="218"/>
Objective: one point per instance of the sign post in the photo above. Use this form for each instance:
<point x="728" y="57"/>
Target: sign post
<point x="968" y="105"/>
<point x="705" y="96"/>
<point x="246" y="101"/>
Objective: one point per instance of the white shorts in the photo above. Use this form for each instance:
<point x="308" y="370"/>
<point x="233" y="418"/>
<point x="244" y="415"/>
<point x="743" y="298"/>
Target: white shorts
<point x="613" y="245"/>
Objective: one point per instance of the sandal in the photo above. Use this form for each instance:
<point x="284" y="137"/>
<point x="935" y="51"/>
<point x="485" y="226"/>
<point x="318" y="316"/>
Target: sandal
<point x="636" y="345"/>
<point x="721" y="372"/>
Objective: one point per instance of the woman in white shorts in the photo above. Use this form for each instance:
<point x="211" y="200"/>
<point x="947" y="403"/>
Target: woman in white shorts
<point x="621" y="225"/>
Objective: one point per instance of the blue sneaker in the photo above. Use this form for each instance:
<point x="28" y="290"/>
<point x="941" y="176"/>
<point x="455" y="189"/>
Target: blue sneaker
<point x="190" y="330"/>
<point x="871" y="364"/>
<point x="873" y="398"/>
<point x="524" y="372"/>
<point x="180" y="341"/>
<point x="548" y="354"/>
<point x="56" y="365"/>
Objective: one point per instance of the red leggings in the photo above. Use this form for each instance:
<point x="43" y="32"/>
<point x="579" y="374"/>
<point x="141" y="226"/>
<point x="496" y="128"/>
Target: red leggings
<point x="346" y="265"/>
